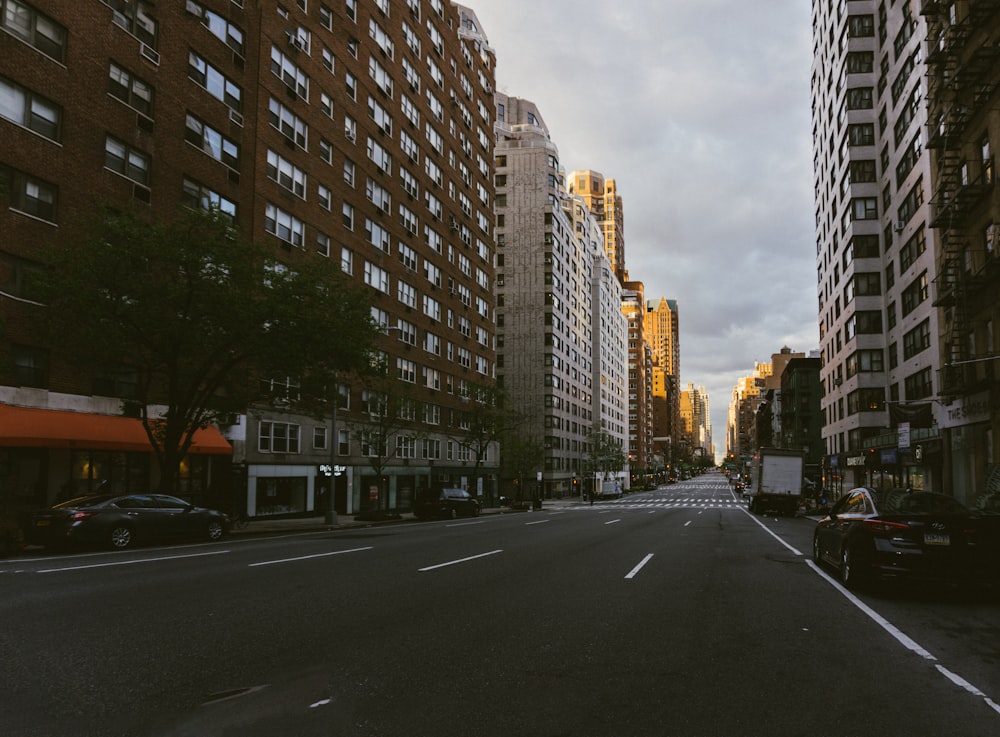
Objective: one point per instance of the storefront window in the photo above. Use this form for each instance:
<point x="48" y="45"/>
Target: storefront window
<point x="283" y="495"/>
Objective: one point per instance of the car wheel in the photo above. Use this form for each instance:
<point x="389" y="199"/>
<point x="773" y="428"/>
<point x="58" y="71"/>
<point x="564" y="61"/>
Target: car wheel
<point x="851" y="574"/>
<point x="453" y="513"/>
<point x="120" y="537"/>
<point x="215" y="530"/>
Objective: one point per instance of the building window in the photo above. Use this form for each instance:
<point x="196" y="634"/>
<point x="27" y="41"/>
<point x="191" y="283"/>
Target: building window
<point x="278" y="437"/>
<point x="284" y="225"/>
<point x="127" y="161"/>
<point x="915" y="293"/>
<point x="21" y="106"/>
<point x="286" y="174"/>
<point x="29" y="195"/>
<point x="130" y="89"/>
<point x="917" y="340"/>
<point x="859" y="98"/>
<point x="215" y="82"/>
<point x="213" y="143"/>
<point x="199" y="196"/>
<point x="22" y="20"/>
<point x="322" y="244"/>
<point x="292" y="126"/>
<point x="218" y="26"/>
<point x="919" y="385"/>
<point x="320" y="435"/>
<point x="31" y="366"/>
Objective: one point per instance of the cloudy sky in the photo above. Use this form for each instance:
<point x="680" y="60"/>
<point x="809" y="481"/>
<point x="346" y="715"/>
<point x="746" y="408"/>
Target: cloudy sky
<point x="699" y="109"/>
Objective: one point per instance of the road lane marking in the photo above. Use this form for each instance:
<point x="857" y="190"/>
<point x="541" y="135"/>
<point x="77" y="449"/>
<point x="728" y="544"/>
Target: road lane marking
<point x="539" y="522"/>
<point x="307" y="557"/>
<point x="634" y="571"/>
<point x="769" y="532"/>
<point x="466" y="524"/>
<point x="612" y="521"/>
<point x="130" y="562"/>
<point x="460" y="560"/>
<point x="687" y="523"/>
<point x="903" y="639"/>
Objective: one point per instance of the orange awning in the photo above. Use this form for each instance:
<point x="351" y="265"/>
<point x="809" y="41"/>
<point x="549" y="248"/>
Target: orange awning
<point x="25" y="427"/>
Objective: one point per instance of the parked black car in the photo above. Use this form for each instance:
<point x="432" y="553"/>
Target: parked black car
<point x="122" y="520"/>
<point x="450" y="503"/>
<point x="870" y="535"/>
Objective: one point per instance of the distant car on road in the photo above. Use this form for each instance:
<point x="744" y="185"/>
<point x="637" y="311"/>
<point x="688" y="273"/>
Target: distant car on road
<point x="450" y="503"/>
<point x="119" y="521"/>
<point x="901" y="534"/>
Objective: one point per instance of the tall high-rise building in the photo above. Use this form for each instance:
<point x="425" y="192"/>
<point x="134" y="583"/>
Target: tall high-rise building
<point x="662" y="331"/>
<point x="640" y="379"/>
<point x="963" y="93"/>
<point x="875" y="240"/>
<point x="361" y="132"/>
<point x="602" y="199"/>
<point x="696" y="421"/>
<point x="552" y="297"/>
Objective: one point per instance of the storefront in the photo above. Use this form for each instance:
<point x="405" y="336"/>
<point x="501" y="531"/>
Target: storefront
<point x="47" y="455"/>
<point x="970" y="442"/>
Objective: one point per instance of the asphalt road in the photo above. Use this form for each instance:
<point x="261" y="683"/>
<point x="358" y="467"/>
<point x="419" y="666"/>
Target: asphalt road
<point x="672" y="612"/>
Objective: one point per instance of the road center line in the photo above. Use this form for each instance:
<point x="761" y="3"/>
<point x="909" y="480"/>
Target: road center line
<point x="634" y="571"/>
<point x="770" y="532"/>
<point x="130" y="562"/>
<point x="904" y="639"/>
<point x="307" y="557"/>
<point x="460" y="560"/>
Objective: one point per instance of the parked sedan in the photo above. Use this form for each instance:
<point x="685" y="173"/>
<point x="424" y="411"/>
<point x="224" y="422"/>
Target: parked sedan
<point x="446" y="503"/>
<point x="121" y="521"/>
<point x="870" y="535"/>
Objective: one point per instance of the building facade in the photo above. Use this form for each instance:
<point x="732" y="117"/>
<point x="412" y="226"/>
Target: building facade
<point x="601" y="197"/>
<point x="546" y="248"/>
<point x="354" y="131"/>
<point x="875" y="243"/>
<point x="963" y="130"/>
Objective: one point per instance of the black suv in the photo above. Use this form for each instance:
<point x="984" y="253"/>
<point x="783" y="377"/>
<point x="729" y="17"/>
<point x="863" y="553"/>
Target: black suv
<point x="449" y="503"/>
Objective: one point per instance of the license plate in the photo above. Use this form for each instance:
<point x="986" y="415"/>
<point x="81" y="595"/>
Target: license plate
<point x="41" y="523"/>
<point x="931" y="538"/>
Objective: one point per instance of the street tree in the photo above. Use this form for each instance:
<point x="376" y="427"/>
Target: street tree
<point x="484" y="419"/>
<point x="522" y="456"/>
<point x="195" y="316"/>
<point x="604" y="455"/>
<point x="392" y="421"/>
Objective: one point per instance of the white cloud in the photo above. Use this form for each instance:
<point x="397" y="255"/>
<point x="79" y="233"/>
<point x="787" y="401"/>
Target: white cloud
<point x="700" y="112"/>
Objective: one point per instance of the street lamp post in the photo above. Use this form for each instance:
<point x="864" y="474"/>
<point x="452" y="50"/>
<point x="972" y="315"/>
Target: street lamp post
<point x="330" y="517"/>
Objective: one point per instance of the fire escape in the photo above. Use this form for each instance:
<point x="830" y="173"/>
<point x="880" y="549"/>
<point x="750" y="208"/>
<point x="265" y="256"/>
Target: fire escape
<point x="962" y="65"/>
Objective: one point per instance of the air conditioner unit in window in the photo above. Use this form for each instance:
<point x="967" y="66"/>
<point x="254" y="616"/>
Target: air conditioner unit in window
<point x="898" y="227"/>
<point x="295" y="42"/>
<point x="149" y="53"/>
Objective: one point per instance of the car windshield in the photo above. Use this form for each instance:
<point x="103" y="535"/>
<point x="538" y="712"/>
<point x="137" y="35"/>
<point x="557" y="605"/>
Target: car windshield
<point x="901" y="501"/>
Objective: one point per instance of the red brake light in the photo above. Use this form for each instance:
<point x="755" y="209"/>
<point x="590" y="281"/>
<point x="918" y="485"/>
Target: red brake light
<point x="884" y="527"/>
<point x="81" y="514"/>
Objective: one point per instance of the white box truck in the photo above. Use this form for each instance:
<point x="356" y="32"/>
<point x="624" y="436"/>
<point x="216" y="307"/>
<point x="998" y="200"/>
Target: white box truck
<point x="776" y="481"/>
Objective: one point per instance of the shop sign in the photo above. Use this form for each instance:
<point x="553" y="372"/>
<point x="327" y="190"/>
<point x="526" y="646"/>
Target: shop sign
<point x="855" y="460"/>
<point x="904" y="435"/>
<point x="970" y="410"/>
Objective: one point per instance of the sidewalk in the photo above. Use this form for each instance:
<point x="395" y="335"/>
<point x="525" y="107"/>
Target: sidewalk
<point x="317" y="523"/>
